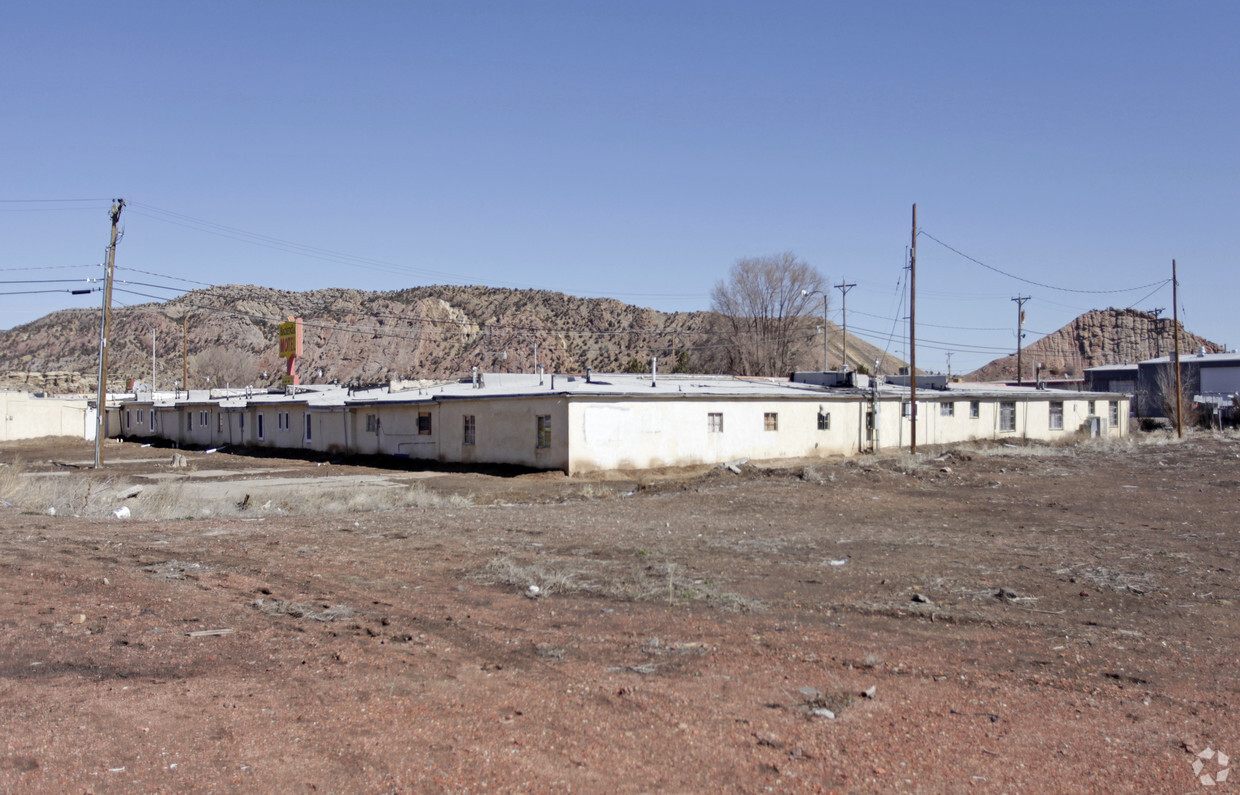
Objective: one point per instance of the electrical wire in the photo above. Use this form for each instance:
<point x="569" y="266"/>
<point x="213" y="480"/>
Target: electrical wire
<point x="921" y="232"/>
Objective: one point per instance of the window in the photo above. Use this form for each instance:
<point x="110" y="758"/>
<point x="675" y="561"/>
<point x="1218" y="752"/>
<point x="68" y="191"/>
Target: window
<point x="947" y="409"/>
<point x="1056" y="415"/>
<point x="372" y="423"/>
<point x="152" y="419"/>
<point x="975" y="409"/>
<point x="309" y="435"/>
<point x="714" y="422"/>
<point x="468" y="438"/>
<point x="1114" y="414"/>
<point x="1007" y="415"/>
<point x="189" y="420"/>
<point x="906" y="409"/>
<point x="219" y="422"/>
<point x="140" y="416"/>
<point x="260" y="427"/>
<point x="128" y="418"/>
<point x="824" y="421"/>
<point x="424" y="423"/>
<point x="288" y="425"/>
<point x="1092" y="408"/>
<point x="770" y="421"/>
<point x="544" y="430"/>
<point x="241" y="421"/>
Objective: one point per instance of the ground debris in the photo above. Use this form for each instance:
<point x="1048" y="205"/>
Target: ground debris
<point x="279" y="607"/>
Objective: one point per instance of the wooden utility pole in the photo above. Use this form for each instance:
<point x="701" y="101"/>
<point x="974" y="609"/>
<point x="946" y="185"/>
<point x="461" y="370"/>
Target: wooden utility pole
<point x="1175" y="322"/>
<point x="912" y="332"/>
<point x="105" y="328"/>
<point x="1020" y="334"/>
<point x="843" y="287"/>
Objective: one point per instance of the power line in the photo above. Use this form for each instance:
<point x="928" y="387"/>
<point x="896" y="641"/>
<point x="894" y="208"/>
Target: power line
<point x="1038" y="284"/>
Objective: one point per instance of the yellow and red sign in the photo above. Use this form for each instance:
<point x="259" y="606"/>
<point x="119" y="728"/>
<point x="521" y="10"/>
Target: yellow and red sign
<point x="290" y="338"/>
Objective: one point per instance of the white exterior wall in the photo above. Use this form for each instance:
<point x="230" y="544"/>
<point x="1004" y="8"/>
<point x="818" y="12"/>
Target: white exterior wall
<point x="623" y="431"/>
<point x="24" y="416"/>
<point x="1032" y="419"/>
<point x="641" y="434"/>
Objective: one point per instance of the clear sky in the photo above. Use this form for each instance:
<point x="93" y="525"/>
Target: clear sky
<point x="635" y="150"/>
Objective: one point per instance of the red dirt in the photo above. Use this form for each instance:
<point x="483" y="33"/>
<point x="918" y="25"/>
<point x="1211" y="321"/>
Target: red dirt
<point x="1057" y="622"/>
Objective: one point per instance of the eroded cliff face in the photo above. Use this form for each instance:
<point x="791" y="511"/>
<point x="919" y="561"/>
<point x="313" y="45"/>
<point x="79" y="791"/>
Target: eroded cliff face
<point x="1103" y="336"/>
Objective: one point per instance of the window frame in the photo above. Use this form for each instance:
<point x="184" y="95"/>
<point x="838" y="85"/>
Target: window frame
<point x="947" y="408"/>
<point x="309" y="437"/>
<point x="1113" y="413"/>
<point x="1007" y="416"/>
<point x="824" y="420"/>
<point x="975" y="409"/>
<point x="1055" y="418"/>
<point x="770" y="420"/>
<point x="425" y="426"/>
<point x="542" y="431"/>
<point x="258" y="418"/>
<point x="469" y="429"/>
<point x="714" y="422"/>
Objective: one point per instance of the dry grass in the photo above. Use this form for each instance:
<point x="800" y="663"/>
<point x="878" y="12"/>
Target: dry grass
<point x="68" y="494"/>
<point x="615" y="579"/>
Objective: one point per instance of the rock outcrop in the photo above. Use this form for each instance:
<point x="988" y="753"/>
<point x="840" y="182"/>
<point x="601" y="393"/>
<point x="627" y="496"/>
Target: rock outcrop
<point x="1103" y="336"/>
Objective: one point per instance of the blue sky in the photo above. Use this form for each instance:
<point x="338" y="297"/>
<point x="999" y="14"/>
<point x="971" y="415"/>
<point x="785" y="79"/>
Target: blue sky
<point x="635" y="150"/>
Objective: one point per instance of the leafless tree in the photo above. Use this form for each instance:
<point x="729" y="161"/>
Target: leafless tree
<point x="766" y="322"/>
<point x="1165" y="384"/>
<point x="222" y="366"/>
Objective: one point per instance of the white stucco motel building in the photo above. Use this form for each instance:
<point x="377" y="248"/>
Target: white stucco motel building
<point x="608" y="422"/>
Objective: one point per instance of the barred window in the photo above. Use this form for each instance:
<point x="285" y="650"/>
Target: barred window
<point x="544" y="430"/>
<point x="824" y="421"/>
<point x="468" y="438"/>
<point x="714" y="422"/>
<point x="770" y="421"/>
<point x="947" y="409"/>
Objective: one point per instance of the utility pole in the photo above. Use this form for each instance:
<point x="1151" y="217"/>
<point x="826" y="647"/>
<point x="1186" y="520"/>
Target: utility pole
<point x="185" y="352"/>
<point x="1157" y="331"/>
<point x="949" y="365"/>
<point x="844" y="287"/>
<point x="105" y="327"/>
<point x="1020" y="334"/>
<point x="1179" y="388"/>
<point x="912" y="331"/>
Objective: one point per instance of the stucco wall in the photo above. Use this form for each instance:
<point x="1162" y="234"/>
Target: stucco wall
<point x="642" y="433"/>
<point x="24" y="416"/>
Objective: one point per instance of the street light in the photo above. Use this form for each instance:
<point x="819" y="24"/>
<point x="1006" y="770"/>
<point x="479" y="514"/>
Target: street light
<point x="152" y="328"/>
<point x="824" y="323"/>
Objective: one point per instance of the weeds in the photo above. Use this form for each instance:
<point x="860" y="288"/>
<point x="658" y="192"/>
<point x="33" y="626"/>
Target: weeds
<point x="66" y="494"/>
<point x="612" y="580"/>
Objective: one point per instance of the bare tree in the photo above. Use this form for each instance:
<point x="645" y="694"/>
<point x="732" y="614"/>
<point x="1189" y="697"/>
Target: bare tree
<point x="220" y="366"/>
<point x="1165" y="384"/>
<point x="765" y="322"/>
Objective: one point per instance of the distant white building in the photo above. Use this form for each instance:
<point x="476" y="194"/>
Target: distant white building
<point x="581" y="423"/>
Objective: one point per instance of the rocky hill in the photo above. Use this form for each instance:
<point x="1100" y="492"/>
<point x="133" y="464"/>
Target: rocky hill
<point x="1103" y="336"/>
<point x="229" y="335"/>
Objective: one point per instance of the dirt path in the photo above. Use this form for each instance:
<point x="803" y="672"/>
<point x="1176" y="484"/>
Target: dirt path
<point x="1062" y="621"/>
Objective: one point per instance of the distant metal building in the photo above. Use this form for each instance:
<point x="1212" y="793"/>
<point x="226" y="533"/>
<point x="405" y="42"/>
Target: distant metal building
<point x="1212" y="379"/>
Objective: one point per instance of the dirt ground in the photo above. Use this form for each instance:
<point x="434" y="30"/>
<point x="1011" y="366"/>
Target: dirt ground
<point x="1003" y="619"/>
